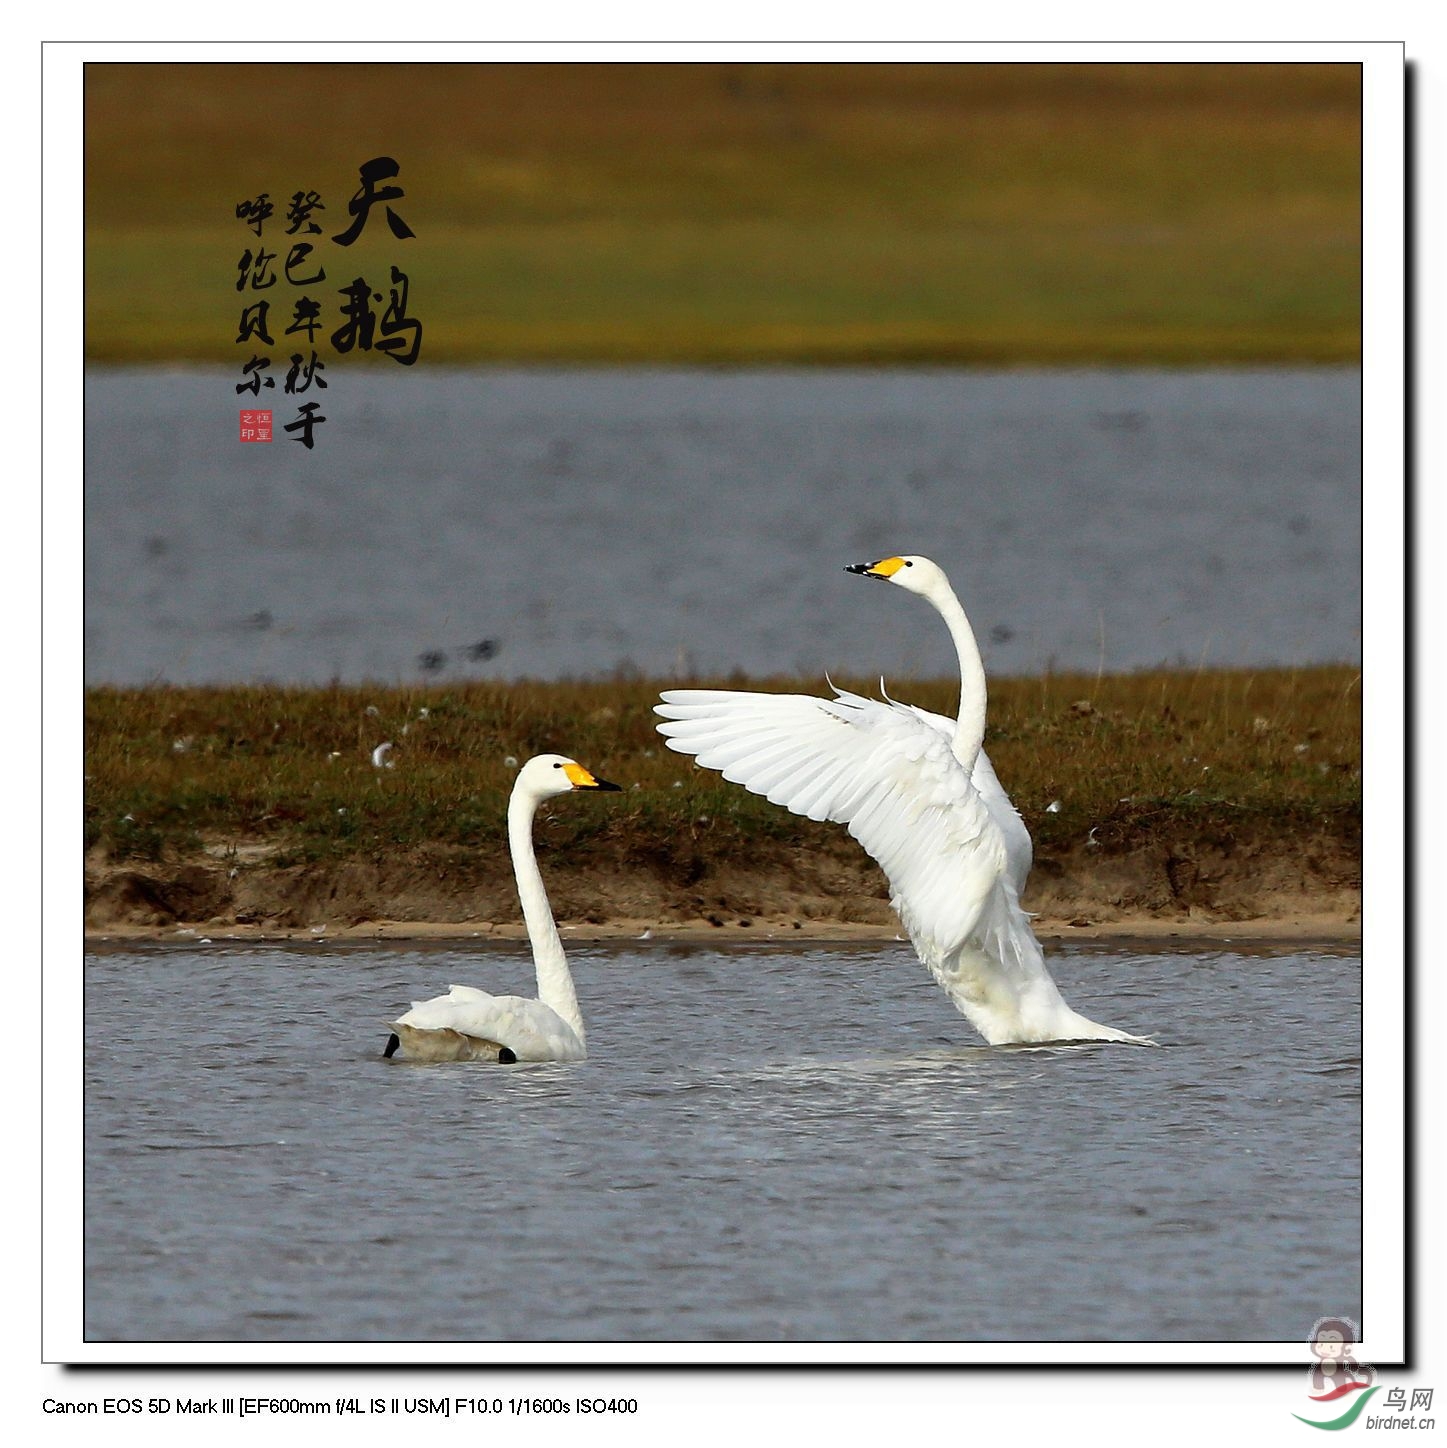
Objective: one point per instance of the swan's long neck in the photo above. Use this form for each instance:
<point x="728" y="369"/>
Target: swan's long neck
<point x="970" y="725"/>
<point x="555" y="981"/>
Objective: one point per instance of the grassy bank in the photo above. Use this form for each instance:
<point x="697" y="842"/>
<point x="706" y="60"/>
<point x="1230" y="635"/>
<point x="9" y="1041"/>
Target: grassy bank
<point x="728" y="214"/>
<point x="1177" y="770"/>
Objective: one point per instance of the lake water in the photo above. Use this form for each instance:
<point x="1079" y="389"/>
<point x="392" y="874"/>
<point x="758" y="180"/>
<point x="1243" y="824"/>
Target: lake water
<point x="554" y="523"/>
<point x="771" y="1143"/>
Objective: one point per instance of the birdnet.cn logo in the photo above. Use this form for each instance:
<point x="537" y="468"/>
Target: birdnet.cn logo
<point x="1335" y="1376"/>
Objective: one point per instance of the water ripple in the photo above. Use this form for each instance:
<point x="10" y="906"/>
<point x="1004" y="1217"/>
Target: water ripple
<point x="846" y="1188"/>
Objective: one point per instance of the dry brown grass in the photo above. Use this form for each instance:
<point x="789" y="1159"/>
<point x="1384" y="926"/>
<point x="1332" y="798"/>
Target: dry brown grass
<point x="168" y="768"/>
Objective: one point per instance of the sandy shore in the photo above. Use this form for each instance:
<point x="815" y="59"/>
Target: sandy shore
<point x="1289" y="887"/>
<point x="1298" y="927"/>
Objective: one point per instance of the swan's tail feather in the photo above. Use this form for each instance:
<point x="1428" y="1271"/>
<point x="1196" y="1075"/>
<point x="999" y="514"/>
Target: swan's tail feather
<point x="999" y="981"/>
<point x="1126" y="1039"/>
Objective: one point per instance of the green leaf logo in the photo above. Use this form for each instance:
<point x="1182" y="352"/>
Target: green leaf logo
<point x="1346" y="1419"/>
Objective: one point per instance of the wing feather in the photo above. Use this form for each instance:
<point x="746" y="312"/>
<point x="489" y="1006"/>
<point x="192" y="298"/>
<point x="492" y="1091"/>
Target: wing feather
<point x="1019" y="848"/>
<point x="875" y="767"/>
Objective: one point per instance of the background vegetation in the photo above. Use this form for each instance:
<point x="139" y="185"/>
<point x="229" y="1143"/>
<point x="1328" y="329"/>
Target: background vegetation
<point x="729" y="213"/>
<point x="170" y="769"/>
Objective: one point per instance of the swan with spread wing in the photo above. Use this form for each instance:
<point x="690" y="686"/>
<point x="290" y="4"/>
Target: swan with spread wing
<point x="468" y="1024"/>
<point x="916" y="790"/>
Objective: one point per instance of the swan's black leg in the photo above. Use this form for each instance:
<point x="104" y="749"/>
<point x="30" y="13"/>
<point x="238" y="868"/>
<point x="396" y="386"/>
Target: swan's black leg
<point x="390" y="1049"/>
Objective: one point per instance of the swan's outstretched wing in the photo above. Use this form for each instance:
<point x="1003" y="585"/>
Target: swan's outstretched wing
<point x="878" y="769"/>
<point x="1019" y="850"/>
<point x="528" y="1028"/>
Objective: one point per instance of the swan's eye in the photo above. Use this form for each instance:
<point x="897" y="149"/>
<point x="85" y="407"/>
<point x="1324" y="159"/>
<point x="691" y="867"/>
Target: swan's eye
<point x="557" y="766"/>
<point x="908" y="564"/>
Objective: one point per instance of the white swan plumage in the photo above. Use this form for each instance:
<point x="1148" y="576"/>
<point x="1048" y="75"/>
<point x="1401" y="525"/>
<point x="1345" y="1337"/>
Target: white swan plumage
<point x="916" y="791"/>
<point x="919" y="575"/>
<point x="468" y="1024"/>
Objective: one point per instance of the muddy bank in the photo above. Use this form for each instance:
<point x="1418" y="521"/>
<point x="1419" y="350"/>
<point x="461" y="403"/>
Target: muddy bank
<point x="1225" y="882"/>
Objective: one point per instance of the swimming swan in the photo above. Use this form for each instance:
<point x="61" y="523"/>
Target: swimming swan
<point x="467" y="1024"/>
<point x="907" y="790"/>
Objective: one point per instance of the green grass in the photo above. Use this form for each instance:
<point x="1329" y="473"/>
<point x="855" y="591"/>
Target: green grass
<point x="734" y="214"/>
<point x="170" y="768"/>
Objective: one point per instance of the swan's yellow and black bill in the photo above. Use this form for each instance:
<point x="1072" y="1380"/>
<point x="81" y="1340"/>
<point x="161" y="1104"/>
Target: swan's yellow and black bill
<point x="581" y="779"/>
<point x="880" y="568"/>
